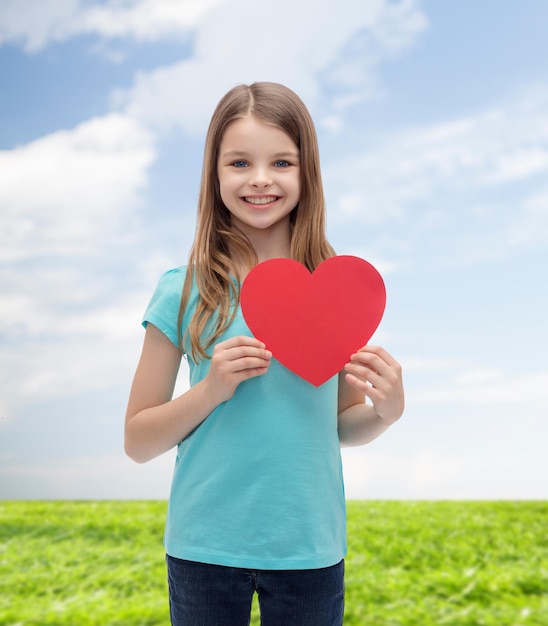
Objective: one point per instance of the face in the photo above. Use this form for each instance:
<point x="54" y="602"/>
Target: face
<point x="259" y="176"/>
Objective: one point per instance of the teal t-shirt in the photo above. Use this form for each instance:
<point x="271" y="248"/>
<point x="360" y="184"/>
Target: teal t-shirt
<point x="259" y="483"/>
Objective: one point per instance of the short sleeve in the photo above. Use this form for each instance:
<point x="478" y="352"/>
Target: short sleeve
<point x="163" y="308"/>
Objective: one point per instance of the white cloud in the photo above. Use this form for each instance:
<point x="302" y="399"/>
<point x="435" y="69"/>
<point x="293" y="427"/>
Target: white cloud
<point x="39" y="23"/>
<point x="231" y="45"/>
<point x="487" y="388"/>
<point x="71" y="314"/>
<point x="430" y="364"/>
<point x="529" y="226"/>
<point x="490" y="148"/>
<point x="518" y="164"/>
<point x="63" y="192"/>
<point x="234" y="46"/>
<point x="142" y="19"/>
<point x="479" y="376"/>
<point x="86" y="477"/>
<point x="392" y="27"/>
<point x="484" y="172"/>
<point x="371" y="472"/>
<point x="376" y="472"/>
<point x="68" y="203"/>
<point x="52" y="365"/>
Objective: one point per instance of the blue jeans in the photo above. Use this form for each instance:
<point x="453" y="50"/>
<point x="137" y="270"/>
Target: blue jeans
<point x="214" y="595"/>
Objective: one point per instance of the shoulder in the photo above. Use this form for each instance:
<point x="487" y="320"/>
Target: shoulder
<point x="163" y="308"/>
<point x="173" y="278"/>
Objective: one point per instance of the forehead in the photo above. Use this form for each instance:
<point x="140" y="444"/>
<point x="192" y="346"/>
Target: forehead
<point x="250" y="133"/>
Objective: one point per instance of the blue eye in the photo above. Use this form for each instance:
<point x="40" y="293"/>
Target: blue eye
<point x="282" y="163"/>
<point x="239" y="164"/>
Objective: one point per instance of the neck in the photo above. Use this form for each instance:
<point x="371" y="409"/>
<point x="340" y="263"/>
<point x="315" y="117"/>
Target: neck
<point x="268" y="248"/>
<point x="266" y="245"/>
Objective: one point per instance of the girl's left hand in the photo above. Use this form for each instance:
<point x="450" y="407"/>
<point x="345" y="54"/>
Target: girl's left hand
<point x="378" y="375"/>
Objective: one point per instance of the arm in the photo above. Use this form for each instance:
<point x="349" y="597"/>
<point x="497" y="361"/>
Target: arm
<point x="155" y="422"/>
<point x="371" y="373"/>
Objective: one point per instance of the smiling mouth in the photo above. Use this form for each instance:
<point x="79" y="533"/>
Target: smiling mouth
<point x="261" y="200"/>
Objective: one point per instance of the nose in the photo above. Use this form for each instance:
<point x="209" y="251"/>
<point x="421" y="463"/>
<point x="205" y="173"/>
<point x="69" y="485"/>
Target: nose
<point x="260" y="178"/>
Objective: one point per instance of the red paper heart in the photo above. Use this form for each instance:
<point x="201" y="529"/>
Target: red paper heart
<point x="313" y="322"/>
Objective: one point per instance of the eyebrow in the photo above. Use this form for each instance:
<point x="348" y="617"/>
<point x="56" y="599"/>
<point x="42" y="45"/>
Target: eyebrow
<point x="278" y="155"/>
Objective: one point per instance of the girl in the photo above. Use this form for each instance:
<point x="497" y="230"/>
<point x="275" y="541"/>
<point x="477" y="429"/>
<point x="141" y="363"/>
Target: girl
<point x="257" y="500"/>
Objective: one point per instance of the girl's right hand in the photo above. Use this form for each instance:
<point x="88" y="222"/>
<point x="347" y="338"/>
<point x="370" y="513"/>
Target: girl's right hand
<point x="234" y="361"/>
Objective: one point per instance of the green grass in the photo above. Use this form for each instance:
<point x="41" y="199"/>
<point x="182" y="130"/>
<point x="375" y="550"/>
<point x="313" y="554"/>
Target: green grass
<point x="409" y="563"/>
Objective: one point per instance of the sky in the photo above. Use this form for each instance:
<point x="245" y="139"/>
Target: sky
<point x="433" y="127"/>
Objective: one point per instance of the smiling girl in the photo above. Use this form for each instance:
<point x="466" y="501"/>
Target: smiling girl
<point x="257" y="498"/>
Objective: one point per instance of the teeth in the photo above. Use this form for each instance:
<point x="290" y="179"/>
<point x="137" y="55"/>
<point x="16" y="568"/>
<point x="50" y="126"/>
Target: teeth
<point x="263" y="200"/>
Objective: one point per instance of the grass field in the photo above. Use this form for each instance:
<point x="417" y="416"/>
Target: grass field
<point x="409" y="563"/>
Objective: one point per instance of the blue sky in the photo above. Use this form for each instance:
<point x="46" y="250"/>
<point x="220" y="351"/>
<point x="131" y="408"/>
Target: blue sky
<point x="433" y="127"/>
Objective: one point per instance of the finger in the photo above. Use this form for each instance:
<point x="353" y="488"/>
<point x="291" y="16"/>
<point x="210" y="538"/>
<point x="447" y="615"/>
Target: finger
<point x="361" y="370"/>
<point x="241" y="340"/>
<point x="252" y="373"/>
<point x="244" y="352"/>
<point x="375" y="395"/>
<point x="250" y="363"/>
<point x="368" y="363"/>
<point x="366" y="377"/>
<point x="373" y="370"/>
<point x="383" y="354"/>
<point x="377" y="360"/>
<point x="359" y="383"/>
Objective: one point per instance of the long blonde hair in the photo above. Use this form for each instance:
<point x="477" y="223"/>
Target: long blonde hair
<point x="209" y="261"/>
